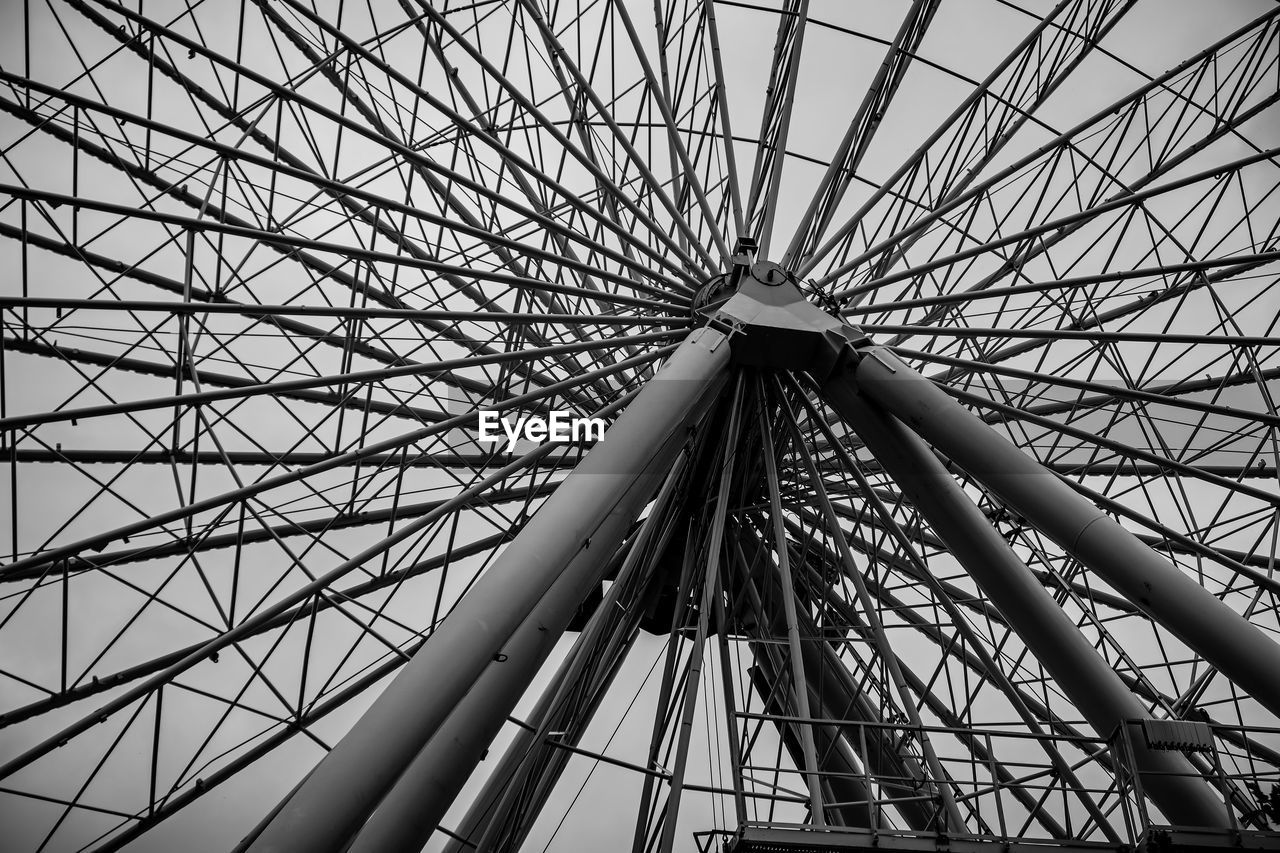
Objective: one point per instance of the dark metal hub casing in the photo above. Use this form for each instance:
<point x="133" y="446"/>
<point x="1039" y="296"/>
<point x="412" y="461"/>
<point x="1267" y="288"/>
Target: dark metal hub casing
<point x="772" y="326"/>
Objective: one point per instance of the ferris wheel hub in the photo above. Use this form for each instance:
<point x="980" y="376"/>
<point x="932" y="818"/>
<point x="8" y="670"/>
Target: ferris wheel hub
<point x="772" y="326"/>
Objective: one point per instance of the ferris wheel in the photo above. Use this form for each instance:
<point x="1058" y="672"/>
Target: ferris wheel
<point x="744" y="425"/>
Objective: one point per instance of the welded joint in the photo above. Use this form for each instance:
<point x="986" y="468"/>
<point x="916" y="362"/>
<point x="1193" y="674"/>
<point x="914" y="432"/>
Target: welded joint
<point x="1079" y="537"/>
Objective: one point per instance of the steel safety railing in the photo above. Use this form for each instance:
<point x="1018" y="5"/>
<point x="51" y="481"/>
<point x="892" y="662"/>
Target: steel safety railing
<point x="1001" y="785"/>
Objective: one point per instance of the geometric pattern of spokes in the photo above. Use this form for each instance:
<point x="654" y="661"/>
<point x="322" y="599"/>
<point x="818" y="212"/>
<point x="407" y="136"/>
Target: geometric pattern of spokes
<point x="266" y="264"/>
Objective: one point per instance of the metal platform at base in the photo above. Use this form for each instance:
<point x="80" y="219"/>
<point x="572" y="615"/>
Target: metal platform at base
<point x="806" y="839"/>
<point x="1177" y="840"/>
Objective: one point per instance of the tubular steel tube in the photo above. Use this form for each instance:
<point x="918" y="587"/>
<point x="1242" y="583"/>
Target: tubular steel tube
<point x="837" y="695"/>
<point x="711" y="586"/>
<point x="589" y="513"/>
<point x="410" y="812"/>
<point x="949" y="812"/>
<point x="787" y="596"/>
<point x="530" y="767"/>
<point x="1048" y="632"/>
<point x="1222" y="636"/>
<point x="842" y="776"/>
<point x="502" y="813"/>
<point x="408" y="815"/>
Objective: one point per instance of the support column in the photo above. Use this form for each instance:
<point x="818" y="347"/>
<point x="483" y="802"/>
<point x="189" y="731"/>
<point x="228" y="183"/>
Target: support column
<point x="835" y="694"/>
<point x="523" y="778"/>
<point x="851" y="800"/>
<point x="1048" y="632"/>
<point x="788" y="598"/>
<point x="1222" y="636"/>
<point x="410" y="813"/>
<point x="780" y="330"/>
<point x="710" y="579"/>
<point x="587" y="516"/>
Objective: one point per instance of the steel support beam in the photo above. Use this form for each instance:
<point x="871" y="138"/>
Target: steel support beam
<point x="586" y="517"/>
<point x="409" y="814"/>
<point x="500" y="816"/>
<point x="1223" y="637"/>
<point x="835" y="694"/>
<point x="851" y="799"/>
<point x="710" y="579"/>
<point x="949" y="813"/>
<point x="777" y="329"/>
<point x="1048" y="632"/>
<point x="788" y="600"/>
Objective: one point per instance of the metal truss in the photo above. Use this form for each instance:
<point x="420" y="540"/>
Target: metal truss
<point x="937" y="345"/>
